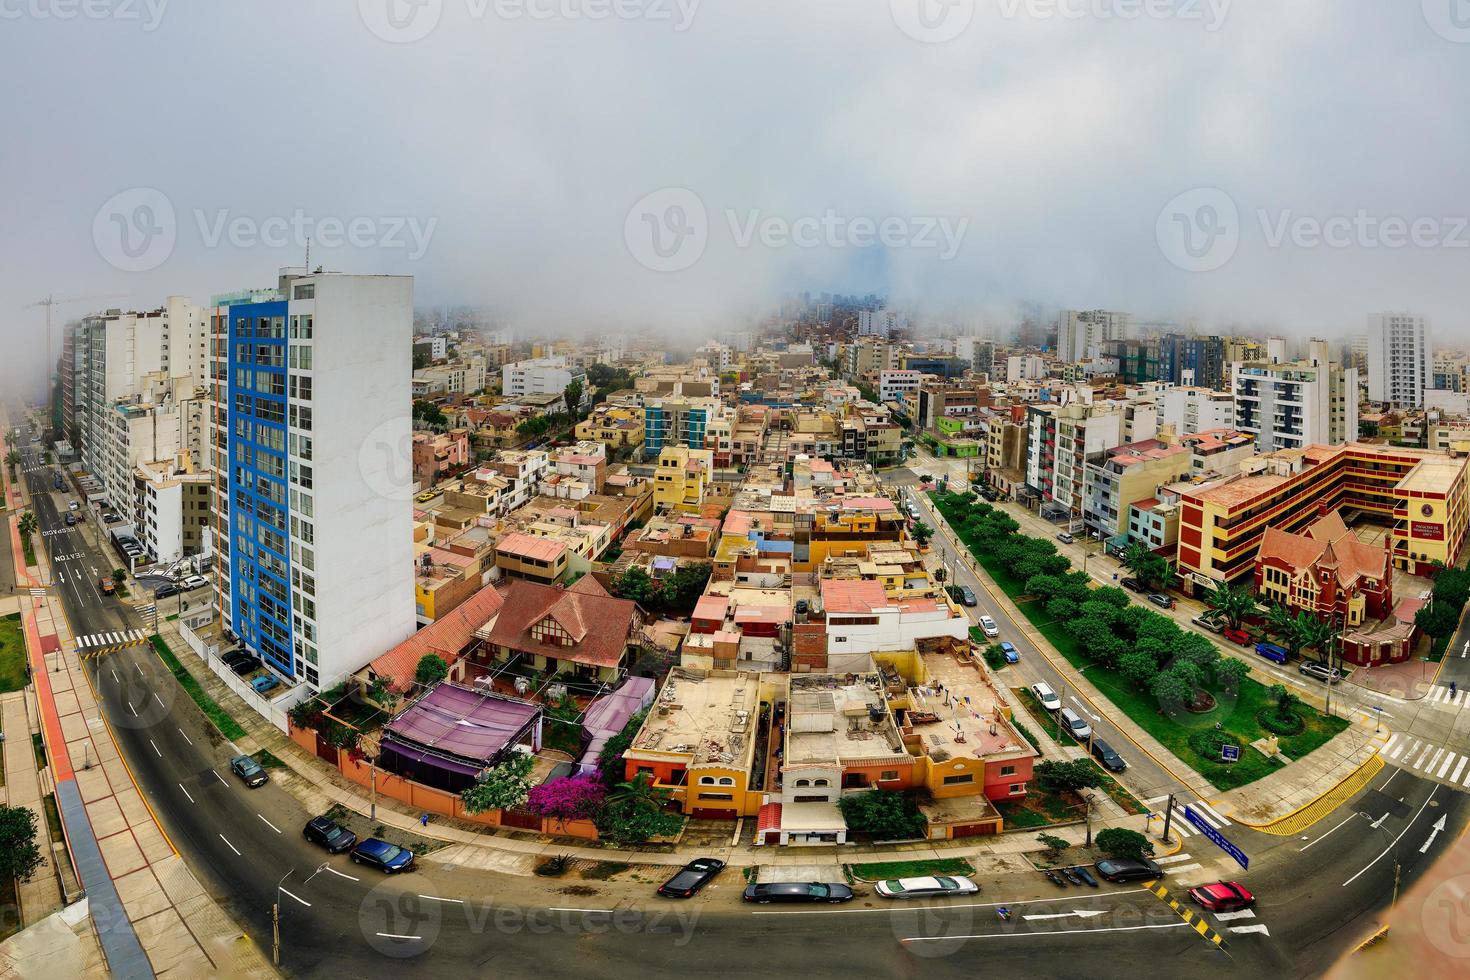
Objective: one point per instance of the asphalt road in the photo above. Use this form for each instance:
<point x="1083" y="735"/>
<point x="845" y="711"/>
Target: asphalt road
<point x="1317" y="895"/>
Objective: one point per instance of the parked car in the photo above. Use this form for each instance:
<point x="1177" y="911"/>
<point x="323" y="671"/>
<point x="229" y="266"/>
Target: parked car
<point x="1008" y="649"/>
<point x="1206" y="621"/>
<point x="796" y="891"/>
<point x="1132" y="584"/>
<point x="329" y="834"/>
<point x="192" y="582"/>
<point x="426" y="496"/>
<point x="1237" y="636"/>
<point x="264" y="683"/>
<point x="106" y="586"/>
<point x="72" y="505"/>
<point x="1074" y="724"/>
<point x="1222" y="896"/>
<point x="1161" y="600"/>
<point x="1321" y="672"/>
<point x="926" y="887"/>
<point x="164" y="591"/>
<point x="1065" y="537"/>
<point x="249" y="771"/>
<point x="988" y="627"/>
<point x="387" y="858"/>
<point x="244" y="665"/>
<point x="1128" y="869"/>
<point x="1110" y="759"/>
<point x="1046" y="696"/>
<point x="691" y="878"/>
<point x="967" y="597"/>
<point x="1272" y="652"/>
<point x="71" y="520"/>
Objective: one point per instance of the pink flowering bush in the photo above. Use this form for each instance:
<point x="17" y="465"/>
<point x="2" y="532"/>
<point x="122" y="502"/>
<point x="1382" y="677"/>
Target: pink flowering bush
<point x="572" y="798"/>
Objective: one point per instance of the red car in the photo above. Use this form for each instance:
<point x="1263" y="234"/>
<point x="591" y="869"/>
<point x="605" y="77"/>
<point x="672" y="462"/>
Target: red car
<point x="1238" y="636"/>
<point x="1222" y="896"/>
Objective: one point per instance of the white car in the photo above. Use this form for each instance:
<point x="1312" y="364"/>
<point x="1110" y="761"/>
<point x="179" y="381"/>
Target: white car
<point x="1046" y="696"/>
<point x="927" y="887"/>
<point x="987" y="625"/>
<point x="193" y="582"/>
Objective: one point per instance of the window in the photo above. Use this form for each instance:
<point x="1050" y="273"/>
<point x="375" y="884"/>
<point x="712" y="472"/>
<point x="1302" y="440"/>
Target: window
<point x="1017" y="788"/>
<point x="803" y="782"/>
<point x="820" y="782"/>
<point x="959" y="780"/>
<point x="727" y="781"/>
<point x="706" y="780"/>
<point x="1007" y="770"/>
<point x="888" y="775"/>
<point x="716" y="796"/>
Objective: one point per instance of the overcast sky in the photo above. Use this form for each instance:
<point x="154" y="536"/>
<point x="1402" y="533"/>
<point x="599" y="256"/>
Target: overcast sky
<point x="683" y="164"/>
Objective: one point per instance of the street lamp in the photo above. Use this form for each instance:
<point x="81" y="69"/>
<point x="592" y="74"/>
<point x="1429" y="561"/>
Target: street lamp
<point x="276" y="920"/>
<point x="1393" y="846"/>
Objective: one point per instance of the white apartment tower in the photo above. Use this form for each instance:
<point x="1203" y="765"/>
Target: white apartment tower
<point x="1291" y="404"/>
<point x="1400" y="362"/>
<point x="1081" y="334"/>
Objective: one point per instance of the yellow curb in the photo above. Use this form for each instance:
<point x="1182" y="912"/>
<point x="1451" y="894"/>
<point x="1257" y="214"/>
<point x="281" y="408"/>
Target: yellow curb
<point x="1179" y="846"/>
<point x="1309" y="813"/>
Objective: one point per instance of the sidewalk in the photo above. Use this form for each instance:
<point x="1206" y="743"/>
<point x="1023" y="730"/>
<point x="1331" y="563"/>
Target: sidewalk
<point x="24" y="786"/>
<point x="149" y="912"/>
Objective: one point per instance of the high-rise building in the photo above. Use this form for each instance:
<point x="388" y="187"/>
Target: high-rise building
<point x="541" y="376"/>
<point x="1192" y="360"/>
<point x="877" y="323"/>
<point x="1081" y="334"/>
<point x="311" y="447"/>
<point x="1400" y="362"/>
<point x="1293" y="404"/>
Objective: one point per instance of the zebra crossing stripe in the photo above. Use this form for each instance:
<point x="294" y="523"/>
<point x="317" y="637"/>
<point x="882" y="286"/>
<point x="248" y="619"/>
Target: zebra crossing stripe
<point x="1420" y="760"/>
<point x="1449" y="757"/>
<point x="1172" y="859"/>
<point x="1438" y="752"/>
<point x="1232" y="916"/>
<point x="1389" y="744"/>
<point x="1455" y="778"/>
<point x="1210" y="815"/>
<point x="1183" y="868"/>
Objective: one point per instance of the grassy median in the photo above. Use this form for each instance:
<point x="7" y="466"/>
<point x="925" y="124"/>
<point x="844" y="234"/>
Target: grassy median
<point x="222" y="719"/>
<point x="12" y="654"/>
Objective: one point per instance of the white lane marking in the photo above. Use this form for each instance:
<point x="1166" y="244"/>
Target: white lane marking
<point x="1043" y="934"/>
<point x="186" y="737"/>
<point x="1449" y="758"/>
<point x="1433" y="833"/>
<point x="1172" y="859"/>
<point x="460" y="901"/>
<point x="219" y="777"/>
<point x="139" y="669"/>
<point x="394" y="935"/>
<point x="1185" y="867"/>
<point x="132" y="709"/>
<point x="1078" y="913"/>
<point x="297" y="897"/>
<point x="116" y="679"/>
<point x="1467" y="779"/>
<point x="155" y="747"/>
<point x="185" y="792"/>
<point x="1429" y="799"/>
<point x="1232" y="916"/>
<point x="1255" y="928"/>
<point x="1344" y="820"/>
<point x="227" y="842"/>
<point x="339" y="874"/>
<point x="160" y="701"/>
<point x="272" y="827"/>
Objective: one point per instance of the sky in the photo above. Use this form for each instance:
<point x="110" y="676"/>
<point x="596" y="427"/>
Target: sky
<point x="1285" y="166"/>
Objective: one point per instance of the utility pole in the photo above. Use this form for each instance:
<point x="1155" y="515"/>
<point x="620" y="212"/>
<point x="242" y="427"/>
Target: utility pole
<point x="1168" y="818"/>
<point x="1061" y="703"/>
<point x="1330" y="644"/>
<point x="373" y="806"/>
<point x="1087" y="802"/>
<point x="276" y="930"/>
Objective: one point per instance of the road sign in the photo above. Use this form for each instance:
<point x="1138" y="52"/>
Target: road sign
<point x="1217" y="838"/>
<point x="1230" y="753"/>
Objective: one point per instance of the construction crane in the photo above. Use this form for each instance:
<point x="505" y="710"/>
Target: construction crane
<point x="51" y="301"/>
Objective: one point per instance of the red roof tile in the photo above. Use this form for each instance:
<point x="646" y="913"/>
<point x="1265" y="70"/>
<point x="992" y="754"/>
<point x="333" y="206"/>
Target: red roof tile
<point x="447" y="636"/>
<point x="598" y="623"/>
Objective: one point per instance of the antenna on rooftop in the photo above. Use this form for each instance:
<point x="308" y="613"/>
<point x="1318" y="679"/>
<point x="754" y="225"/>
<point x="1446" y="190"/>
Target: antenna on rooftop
<point x="307" y="265"/>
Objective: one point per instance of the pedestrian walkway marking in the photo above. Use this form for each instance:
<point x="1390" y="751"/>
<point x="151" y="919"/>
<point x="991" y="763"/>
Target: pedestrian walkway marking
<point x="99" y="644"/>
<point x="1255" y="928"/>
<point x="1232" y="916"/>
<point x="1181" y="869"/>
<point x="1420" y="761"/>
<point x="1441" y="694"/>
<point x="1455" y="777"/>
<point x="1383" y="750"/>
<point x="1437" y="753"/>
<point x="1400" y="750"/>
<point x="38" y="593"/>
<point x="1449" y="757"/>
<point x="1193" y="919"/>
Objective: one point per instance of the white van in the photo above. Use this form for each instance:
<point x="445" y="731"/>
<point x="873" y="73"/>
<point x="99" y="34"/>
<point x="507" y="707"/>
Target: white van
<point x="1046" y="696"/>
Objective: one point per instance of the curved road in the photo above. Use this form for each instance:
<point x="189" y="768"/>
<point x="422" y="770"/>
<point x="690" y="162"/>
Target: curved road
<point x="1318" y="894"/>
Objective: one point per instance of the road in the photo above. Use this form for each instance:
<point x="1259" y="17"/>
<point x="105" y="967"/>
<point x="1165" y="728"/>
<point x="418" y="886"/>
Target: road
<point x="337" y="920"/>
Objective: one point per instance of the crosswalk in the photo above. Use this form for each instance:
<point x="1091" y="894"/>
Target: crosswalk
<point x="97" y="644"/>
<point x="1427" y="759"/>
<point x="1244" y="915"/>
<point x="1441" y="694"/>
<point x="1180" y="867"/>
<point x="38" y="593"/>
<point x="1182" y="826"/>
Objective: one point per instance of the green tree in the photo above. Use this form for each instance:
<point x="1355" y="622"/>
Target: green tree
<point x="429" y="413"/>
<point x="1054" y="845"/>
<point x="13" y="459"/>
<point x="572" y="393"/>
<point x="1171" y="690"/>
<point x="633" y="812"/>
<point x="883" y="814"/>
<point x="1150" y="569"/>
<point x="431" y="669"/>
<point x="1438" y="619"/>
<point x="1229" y="672"/>
<point x="1285" y="702"/>
<point x="681" y="590"/>
<point x="119" y="576"/>
<point x="505" y="786"/>
<point x="26" y="524"/>
<point x="1233" y="602"/>
<point x="635" y="584"/>
<point x="1138" y="668"/>
<point x="20" y="855"/>
<point x="1122" y="843"/>
<point x="1069" y="776"/>
<point x="922" y="533"/>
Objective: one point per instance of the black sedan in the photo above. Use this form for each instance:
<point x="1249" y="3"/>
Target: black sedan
<point x="1132" y="584"/>
<point x="329" y="834"/>
<point x="796" y="891"/>
<point x="694" y="876"/>
<point x="1129" y="869"/>
<point x="1105" y="753"/>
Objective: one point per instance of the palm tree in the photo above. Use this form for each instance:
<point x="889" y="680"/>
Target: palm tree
<point x="12" y="458"/>
<point x="1278" y="620"/>
<point x="637" y="793"/>
<point x="1233" y="602"/>
<point x="27" y="524"/>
